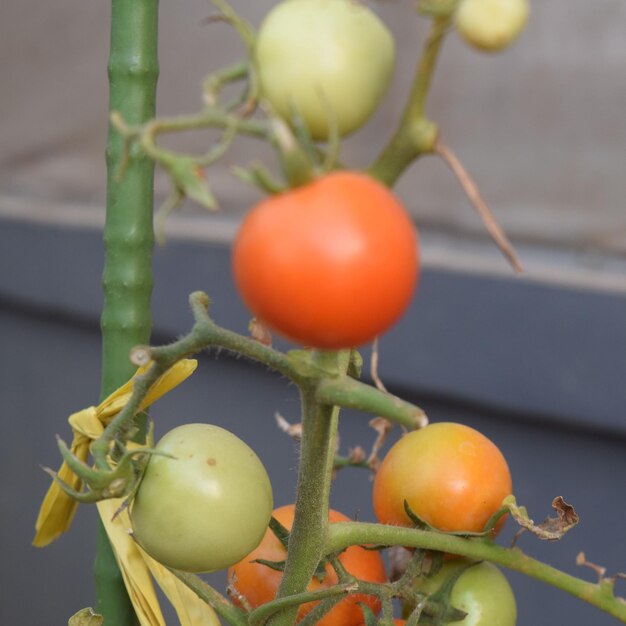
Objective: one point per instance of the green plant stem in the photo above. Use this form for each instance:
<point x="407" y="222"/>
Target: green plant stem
<point x="226" y="610"/>
<point x="133" y="72"/>
<point x="264" y="612"/>
<point x="343" y="534"/>
<point x="205" y="333"/>
<point x="416" y="135"/>
<point x="353" y="394"/>
<point x="308" y="533"/>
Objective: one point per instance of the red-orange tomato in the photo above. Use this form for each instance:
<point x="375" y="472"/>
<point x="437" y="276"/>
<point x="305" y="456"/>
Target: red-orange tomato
<point x="331" y="264"/>
<point x="451" y="475"/>
<point x="258" y="583"/>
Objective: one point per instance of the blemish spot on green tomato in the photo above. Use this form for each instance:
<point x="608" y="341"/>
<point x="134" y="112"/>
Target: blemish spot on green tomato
<point x="482" y="591"/>
<point x="321" y="54"/>
<point x="491" y="25"/>
<point x="207" y="507"/>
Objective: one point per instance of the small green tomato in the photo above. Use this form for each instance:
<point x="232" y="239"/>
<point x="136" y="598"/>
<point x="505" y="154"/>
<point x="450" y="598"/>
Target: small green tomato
<point x="206" y="507"/>
<point x="325" y="58"/>
<point x="491" y="25"/>
<point x="481" y="591"/>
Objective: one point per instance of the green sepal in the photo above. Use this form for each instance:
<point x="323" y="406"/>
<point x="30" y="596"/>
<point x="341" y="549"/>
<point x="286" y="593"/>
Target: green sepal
<point x="369" y="618"/>
<point x="280" y="532"/>
<point x="188" y="178"/>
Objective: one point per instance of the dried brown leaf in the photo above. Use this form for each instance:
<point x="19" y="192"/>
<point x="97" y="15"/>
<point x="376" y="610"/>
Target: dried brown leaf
<point x="259" y="332"/>
<point x="293" y="430"/>
<point x="552" y="528"/>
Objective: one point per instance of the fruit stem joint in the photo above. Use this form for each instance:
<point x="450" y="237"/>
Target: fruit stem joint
<point x="424" y="134"/>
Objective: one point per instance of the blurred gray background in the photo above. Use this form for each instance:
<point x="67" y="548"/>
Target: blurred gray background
<point x="537" y="362"/>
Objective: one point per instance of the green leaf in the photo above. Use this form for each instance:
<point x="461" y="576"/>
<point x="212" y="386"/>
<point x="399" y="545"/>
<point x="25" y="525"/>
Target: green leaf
<point x="86" y="617"/>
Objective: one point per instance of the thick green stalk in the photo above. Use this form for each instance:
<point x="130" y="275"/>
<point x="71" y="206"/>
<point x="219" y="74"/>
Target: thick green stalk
<point x="416" y="134"/>
<point x="307" y="537"/>
<point x="317" y="453"/>
<point x="126" y="321"/>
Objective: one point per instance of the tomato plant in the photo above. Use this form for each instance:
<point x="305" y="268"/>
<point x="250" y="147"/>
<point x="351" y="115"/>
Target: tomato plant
<point x="206" y="505"/>
<point x="331" y="264"/>
<point x="451" y="475"/>
<point x="481" y="590"/>
<point x="491" y="24"/>
<point x="325" y="58"/>
<point x="258" y="583"/>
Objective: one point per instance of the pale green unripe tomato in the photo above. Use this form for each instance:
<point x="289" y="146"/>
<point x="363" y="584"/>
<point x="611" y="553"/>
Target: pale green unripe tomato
<point x="482" y="591"/>
<point x="323" y="56"/>
<point x="491" y="25"/>
<point x="207" y="507"/>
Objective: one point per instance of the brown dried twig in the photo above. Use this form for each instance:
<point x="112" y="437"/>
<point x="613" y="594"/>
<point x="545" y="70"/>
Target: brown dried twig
<point x="471" y="190"/>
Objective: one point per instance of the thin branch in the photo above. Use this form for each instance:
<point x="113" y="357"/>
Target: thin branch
<point x="471" y="190"/>
<point x="374" y="367"/>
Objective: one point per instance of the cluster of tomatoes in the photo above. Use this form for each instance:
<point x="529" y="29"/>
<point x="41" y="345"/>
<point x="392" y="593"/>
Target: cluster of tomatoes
<point x="331" y="264"/>
<point x="204" y="504"/>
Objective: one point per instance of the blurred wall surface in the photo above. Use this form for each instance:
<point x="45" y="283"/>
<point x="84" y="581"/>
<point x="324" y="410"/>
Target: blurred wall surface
<point x="540" y="126"/>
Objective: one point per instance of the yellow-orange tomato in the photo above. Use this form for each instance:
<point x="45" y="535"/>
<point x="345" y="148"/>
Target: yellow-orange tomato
<point x="331" y="264"/>
<point x="451" y="475"/>
<point x="258" y="583"/>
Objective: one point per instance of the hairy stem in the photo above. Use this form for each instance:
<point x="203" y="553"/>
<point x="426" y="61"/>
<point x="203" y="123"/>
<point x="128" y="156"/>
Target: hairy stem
<point x="317" y="452"/>
<point x="226" y="610"/>
<point x="206" y="334"/>
<point x="306" y="540"/>
<point x="127" y="280"/>
<point x="353" y="394"/>
<point x="264" y="612"/>
<point x="343" y="534"/>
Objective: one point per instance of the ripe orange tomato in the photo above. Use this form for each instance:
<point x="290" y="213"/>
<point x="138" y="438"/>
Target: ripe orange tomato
<point x="451" y="475"/>
<point x="331" y="264"/>
<point x="258" y="583"/>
